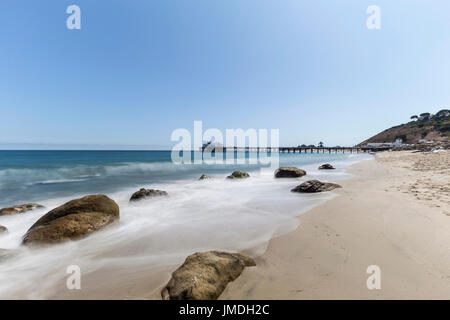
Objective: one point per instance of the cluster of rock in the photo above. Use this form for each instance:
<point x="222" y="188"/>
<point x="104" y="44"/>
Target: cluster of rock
<point x="424" y="147"/>
<point x="74" y="219"/>
<point x="310" y="186"/>
<point x="203" y="276"/>
<point x="20" y="209"/>
<point x="204" y="177"/>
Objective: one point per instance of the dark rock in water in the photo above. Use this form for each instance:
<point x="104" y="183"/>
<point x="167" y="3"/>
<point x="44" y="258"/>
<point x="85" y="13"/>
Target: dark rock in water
<point x="238" y="175"/>
<point x="20" y="209"/>
<point x="73" y="220"/>
<point x="203" y="276"/>
<point x="204" y="177"/>
<point x="315" y="186"/>
<point x="3" y="229"/>
<point x="326" y="166"/>
<point x="289" y="172"/>
<point x="147" y="193"/>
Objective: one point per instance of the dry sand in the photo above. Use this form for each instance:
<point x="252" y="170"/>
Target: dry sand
<point x="394" y="213"/>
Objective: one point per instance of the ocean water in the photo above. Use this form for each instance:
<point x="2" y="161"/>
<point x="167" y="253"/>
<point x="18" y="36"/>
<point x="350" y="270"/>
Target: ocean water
<point x="153" y="234"/>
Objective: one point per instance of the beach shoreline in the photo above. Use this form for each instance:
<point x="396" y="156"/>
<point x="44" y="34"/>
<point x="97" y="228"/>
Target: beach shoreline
<point x="393" y="213"/>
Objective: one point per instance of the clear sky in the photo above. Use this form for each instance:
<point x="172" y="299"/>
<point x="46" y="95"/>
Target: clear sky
<point x="138" y="69"/>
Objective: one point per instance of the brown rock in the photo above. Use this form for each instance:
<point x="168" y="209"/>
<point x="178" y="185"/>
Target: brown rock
<point x="204" y="177"/>
<point x="289" y="172"/>
<point x="238" y="175"/>
<point x="203" y="276"/>
<point x="326" y="166"/>
<point x="312" y="186"/>
<point x="3" y="229"/>
<point x="19" y="209"/>
<point x="147" y="193"/>
<point x="73" y="220"/>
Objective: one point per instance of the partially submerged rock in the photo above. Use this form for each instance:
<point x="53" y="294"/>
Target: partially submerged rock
<point x="326" y="166"/>
<point x="3" y="229"/>
<point x="73" y="220"/>
<point x="204" y="177"/>
<point x="22" y="208"/>
<point x="312" y="186"/>
<point x="289" y="172"/>
<point x="203" y="276"/>
<point x="147" y="193"/>
<point x="238" y="175"/>
<point x="5" y="254"/>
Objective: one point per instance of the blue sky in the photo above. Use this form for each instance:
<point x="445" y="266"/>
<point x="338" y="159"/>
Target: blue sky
<point x="138" y="69"/>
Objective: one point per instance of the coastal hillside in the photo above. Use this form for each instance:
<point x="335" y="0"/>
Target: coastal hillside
<point x="425" y="126"/>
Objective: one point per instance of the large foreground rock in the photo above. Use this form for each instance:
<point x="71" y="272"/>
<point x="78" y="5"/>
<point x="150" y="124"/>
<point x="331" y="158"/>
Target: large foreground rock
<point x="147" y="193"/>
<point x="203" y="276"/>
<point x="289" y="172"/>
<point x="3" y="229"/>
<point x="73" y="220"/>
<point x="326" y="166"/>
<point x="22" y="208"/>
<point x="312" y="186"/>
<point x="238" y="175"/>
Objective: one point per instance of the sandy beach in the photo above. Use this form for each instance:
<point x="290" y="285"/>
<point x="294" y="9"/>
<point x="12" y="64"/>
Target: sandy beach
<point x="394" y="213"/>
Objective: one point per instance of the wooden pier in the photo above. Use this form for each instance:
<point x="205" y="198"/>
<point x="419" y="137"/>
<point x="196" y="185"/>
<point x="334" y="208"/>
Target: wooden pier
<point x="292" y="149"/>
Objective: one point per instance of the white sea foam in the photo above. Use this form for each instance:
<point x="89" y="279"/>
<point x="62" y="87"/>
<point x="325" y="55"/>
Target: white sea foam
<point x="60" y="181"/>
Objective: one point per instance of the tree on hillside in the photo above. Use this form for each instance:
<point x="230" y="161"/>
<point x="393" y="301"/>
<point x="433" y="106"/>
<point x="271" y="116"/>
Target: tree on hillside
<point x="414" y="117"/>
<point x="443" y="113"/>
<point x="320" y="144"/>
<point x="424" y="116"/>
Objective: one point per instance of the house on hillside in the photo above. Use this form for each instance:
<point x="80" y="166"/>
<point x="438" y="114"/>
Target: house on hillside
<point x="396" y="144"/>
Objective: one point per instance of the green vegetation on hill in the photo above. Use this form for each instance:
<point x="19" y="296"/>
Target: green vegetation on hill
<point x="439" y="122"/>
<point x="425" y="126"/>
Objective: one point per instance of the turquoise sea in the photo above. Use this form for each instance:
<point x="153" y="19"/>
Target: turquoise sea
<point x="27" y="176"/>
